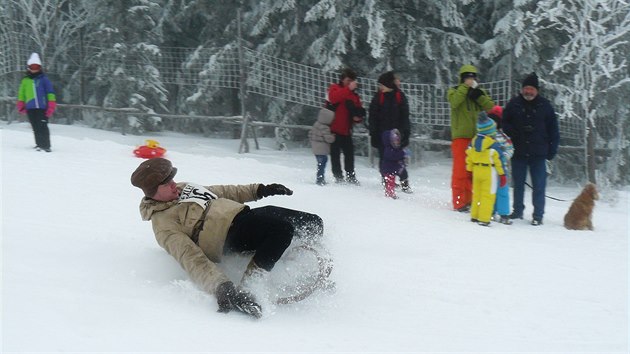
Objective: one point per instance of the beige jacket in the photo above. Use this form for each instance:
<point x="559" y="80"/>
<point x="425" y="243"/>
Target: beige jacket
<point x="173" y="225"/>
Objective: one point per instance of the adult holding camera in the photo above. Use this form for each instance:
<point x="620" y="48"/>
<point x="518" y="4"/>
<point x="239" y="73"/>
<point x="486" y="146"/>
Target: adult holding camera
<point x="466" y="99"/>
<point x="531" y="122"/>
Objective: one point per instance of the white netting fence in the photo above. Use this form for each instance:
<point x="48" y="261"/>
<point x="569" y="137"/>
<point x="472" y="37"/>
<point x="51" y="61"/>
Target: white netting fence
<point x="265" y="75"/>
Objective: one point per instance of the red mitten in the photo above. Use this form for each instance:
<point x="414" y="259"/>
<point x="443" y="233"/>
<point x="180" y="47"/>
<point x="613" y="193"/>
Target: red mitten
<point x="21" y="107"/>
<point x="503" y="180"/>
<point x="51" y="108"/>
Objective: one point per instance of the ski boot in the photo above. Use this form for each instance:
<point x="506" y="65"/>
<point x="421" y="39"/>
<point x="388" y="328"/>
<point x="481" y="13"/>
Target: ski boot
<point x="352" y="179"/>
<point x="505" y="219"/>
<point x="405" y="187"/>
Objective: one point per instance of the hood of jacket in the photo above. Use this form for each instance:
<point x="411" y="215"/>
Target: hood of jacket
<point x="386" y="136"/>
<point x="325" y="116"/>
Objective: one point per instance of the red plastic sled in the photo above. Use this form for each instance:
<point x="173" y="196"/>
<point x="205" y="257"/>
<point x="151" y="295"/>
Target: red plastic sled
<point x="150" y="150"/>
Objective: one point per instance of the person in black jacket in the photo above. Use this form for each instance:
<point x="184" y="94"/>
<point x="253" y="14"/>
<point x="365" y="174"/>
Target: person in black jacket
<point x="389" y="110"/>
<point x="530" y="120"/>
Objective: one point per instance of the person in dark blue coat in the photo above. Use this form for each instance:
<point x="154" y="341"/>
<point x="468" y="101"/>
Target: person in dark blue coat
<point x="389" y="110"/>
<point x="531" y="122"/>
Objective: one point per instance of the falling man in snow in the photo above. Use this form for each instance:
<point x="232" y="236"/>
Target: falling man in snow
<point x="198" y="224"/>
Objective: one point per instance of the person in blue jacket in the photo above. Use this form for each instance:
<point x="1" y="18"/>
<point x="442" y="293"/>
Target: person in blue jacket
<point x="36" y="98"/>
<point x="531" y="122"/>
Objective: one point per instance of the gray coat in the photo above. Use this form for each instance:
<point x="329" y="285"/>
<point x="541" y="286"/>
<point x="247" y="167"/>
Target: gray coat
<point x="320" y="134"/>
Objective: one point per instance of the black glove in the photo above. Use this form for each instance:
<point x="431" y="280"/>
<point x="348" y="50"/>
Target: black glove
<point x="475" y="93"/>
<point x="354" y="110"/>
<point x="229" y="298"/>
<point x="272" y="189"/>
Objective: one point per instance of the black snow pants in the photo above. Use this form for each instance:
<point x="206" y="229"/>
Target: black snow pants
<point x="39" y="122"/>
<point x="269" y="230"/>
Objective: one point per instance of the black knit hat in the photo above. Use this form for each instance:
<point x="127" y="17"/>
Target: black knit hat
<point x="388" y="79"/>
<point x="531" y="80"/>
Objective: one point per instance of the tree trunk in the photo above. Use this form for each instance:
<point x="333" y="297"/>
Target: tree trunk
<point x="590" y="152"/>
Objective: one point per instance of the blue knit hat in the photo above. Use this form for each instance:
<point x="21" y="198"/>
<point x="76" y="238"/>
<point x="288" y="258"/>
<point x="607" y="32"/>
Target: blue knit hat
<point x="485" y="125"/>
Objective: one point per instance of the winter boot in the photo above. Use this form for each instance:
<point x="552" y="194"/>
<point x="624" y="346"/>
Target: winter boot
<point x="516" y="215"/>
<point x="405" y="187"/>
<point x="505" y="219"/>
<point x="483" y="223"/>
<point x="464" y="209"/>
<point x="351" y="178"/>
<point x="320" y="181"/>
<point x="390" y="186"/>
<point x="339" y="179"/>
<point x="252" y="273"/>
<point x="537" y="221"/>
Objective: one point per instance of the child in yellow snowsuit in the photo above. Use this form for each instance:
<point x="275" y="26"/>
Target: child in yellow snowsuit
<point x="483" y="159"/>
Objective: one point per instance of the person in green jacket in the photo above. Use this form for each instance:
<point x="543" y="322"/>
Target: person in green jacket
<point x="467" y="99"/>
<point x="37" y="99"/>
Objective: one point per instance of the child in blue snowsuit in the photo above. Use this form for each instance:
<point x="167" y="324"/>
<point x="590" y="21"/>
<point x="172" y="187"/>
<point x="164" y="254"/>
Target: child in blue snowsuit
<point x="393" y="163"/>
<point x="502" y="205"/>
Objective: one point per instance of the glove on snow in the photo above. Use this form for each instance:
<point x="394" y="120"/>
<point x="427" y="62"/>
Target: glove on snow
<point x="272" y="189"/>
<point x="475" y="93"/>
<point x="503" y="180"/>
<point x="229" y="298"/>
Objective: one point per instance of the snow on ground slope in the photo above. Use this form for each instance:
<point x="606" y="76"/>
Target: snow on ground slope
<point x="81" y="271"/>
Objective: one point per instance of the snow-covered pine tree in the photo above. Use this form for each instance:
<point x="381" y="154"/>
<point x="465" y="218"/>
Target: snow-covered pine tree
<point x="51" y="28"/>
<point x="125" y="62"/>
<point x="589" y="69"/>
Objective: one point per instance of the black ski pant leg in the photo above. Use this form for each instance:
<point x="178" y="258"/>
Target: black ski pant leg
<point x="39" y="123"/>
<point x="403" y="174"/>
<point x="347" y="148"/>
<point x="261" y="231"/>
<point x="335" y="157"/>
<point x="306" y="226"/>
<point x="381" y="151"/>
<point x="33" y="117"/>
<point x="269" y="231"/>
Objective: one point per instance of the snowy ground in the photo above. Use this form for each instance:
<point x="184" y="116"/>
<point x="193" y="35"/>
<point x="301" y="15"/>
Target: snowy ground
<point x="82" y="273"/>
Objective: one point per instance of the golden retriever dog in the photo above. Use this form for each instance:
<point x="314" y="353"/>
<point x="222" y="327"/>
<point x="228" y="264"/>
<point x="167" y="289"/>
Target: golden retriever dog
<point x="580" y="214"/>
